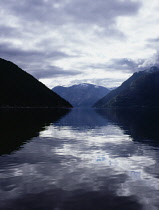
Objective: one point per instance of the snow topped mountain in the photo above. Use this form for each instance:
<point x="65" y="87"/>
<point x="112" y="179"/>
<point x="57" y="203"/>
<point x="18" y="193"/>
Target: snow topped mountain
<point x="82" y="95"/>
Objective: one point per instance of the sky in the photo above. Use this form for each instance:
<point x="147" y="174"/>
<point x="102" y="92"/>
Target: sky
<point x="66" y="42"/>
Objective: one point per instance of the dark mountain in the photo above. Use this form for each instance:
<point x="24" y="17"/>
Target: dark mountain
<point x="20" y="89"/>
<point x="140" y="90"/>
<point x="82" y="95"/>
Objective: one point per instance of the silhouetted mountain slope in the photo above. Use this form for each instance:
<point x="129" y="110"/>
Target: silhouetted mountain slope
<point x="20" y="89"/>
<point x="82" y="95"/>
<point x="141" y="89"/>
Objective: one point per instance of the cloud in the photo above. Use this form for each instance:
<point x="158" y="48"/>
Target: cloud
<point x="8" y="31"/>
<point x="53" y="72"/>
<point x="122" y="64"/>
<point x="126" y="64"/>
<point x="99" y="16"/>
<point x="154" y="40"/>
<point x="29" y="58"/>
<point x="66" y="11"/>
<point x="8" y="49"/>
<point x="152" y="61"/>
<point x="33" y="61"/>
<point x="77" y="38"/>
<point x="101" y="12"/>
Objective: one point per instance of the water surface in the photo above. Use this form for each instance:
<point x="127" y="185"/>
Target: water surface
<point x="83" y="159"/>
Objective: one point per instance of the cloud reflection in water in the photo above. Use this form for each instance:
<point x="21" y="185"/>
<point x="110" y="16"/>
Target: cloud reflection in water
<point x="75" y="164"/>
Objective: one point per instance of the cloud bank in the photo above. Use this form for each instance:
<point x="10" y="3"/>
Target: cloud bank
<point x="62" y="42"/>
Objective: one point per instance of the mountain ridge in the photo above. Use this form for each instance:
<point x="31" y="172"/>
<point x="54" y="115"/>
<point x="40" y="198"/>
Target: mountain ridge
<point x="138" y="90"/>
<point x="81" y="95"/>
<point x="20" y="89"/>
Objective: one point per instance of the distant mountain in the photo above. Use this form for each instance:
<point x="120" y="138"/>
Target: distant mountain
<point x="82" y="95"/>
<point x="141" y="89"/>
<point x="20" y="89"/>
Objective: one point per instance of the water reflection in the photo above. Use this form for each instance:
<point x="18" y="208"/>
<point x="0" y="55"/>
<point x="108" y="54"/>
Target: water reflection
<point x="140" y="124"/>
<point x="19" y="126"/>
<point x="85" y="160"/>
<point x="84" y="119"/>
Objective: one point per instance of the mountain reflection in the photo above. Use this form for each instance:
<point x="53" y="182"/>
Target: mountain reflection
<point x="140" y="124"/>
<point x="85" y="160"/>
<point x="19" y="126"/>
<point x="81" y="118"/>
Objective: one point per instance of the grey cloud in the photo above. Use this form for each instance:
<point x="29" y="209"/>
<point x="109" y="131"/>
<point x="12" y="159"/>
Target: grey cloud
<point x="53" y="71"/>
<point x="35" y="61"/>
<point x="101" y="11"/>
<point x="130" y="65"/>
<point x="154" y="40"/>
<point x="33" y="18"/>
<point x="29" y="59"/>
<point x="122" y="64"/>
<point x="7" y="49"/>
<point x="79" y="11"/>
<point x="37" y="10"/>
<point x="153" y="61"/>
<point x="126" y="64"/>
<point x="8" y="31"/>
<point x="152" y="43"/>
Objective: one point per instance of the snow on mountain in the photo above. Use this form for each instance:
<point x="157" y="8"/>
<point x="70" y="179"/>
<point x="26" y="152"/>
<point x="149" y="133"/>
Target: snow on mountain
<point x="82" y="95"/>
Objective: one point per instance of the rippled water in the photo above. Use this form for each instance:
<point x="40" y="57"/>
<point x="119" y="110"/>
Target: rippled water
<point x="85" y="160"/>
